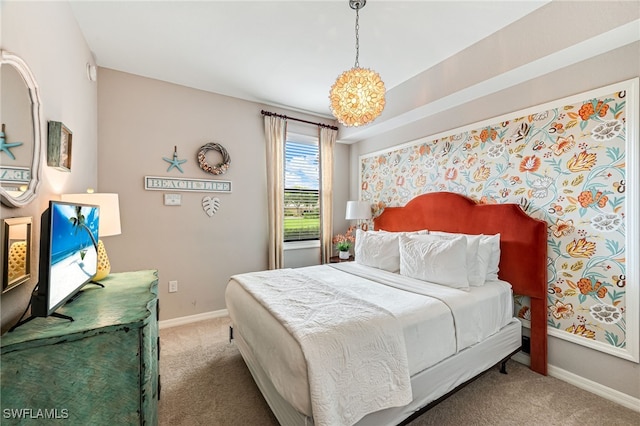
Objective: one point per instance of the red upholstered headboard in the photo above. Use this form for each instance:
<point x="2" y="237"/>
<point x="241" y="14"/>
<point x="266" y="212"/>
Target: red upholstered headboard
<point x="523" y="247"/>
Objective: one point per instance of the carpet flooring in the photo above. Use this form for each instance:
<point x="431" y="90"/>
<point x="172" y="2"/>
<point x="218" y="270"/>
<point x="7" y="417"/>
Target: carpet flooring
<point x="205" y="382"/>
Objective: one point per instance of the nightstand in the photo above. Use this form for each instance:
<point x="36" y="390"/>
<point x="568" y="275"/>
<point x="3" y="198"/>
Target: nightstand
<point x="336" y="259"/>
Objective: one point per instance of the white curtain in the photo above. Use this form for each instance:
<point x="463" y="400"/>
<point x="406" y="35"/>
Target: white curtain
<point x="275" y="130"/>
<point x="327" y="140"/>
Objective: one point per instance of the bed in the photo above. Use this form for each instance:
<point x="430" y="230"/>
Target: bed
<point x="288" y="341"/>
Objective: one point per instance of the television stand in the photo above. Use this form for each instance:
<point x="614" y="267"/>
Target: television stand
<point x="63" y="316"/>
<point x="26" y="320"/>
<point x="102" y="368"/>
<point x="19" y="323"/>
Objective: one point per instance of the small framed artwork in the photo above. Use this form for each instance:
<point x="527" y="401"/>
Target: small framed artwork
<point x="59" y="146"/>
<point x="16" y="252"/>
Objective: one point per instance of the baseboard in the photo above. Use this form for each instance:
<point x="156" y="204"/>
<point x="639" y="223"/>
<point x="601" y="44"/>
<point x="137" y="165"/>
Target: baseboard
<point x="596" y="388"/>
<point x="174" y="322"/>
<point x="580" y="382"/>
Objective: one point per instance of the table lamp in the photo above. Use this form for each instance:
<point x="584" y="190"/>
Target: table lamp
<point x="358" y="210"/>
<point x="109" y="223"/>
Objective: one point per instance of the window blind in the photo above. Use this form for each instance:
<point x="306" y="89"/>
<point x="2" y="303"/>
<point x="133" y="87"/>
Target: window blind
<point x="301" y="193"/>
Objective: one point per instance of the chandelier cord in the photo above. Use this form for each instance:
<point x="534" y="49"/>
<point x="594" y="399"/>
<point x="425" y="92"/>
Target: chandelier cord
<point x="357" y="64"/>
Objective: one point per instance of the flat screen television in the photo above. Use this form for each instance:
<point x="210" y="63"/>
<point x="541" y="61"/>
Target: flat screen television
<point x="68" y="254"/>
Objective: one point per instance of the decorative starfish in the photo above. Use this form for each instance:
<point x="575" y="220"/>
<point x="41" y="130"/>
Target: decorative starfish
<point x="175" y="162"/>
<point x="6" y="147"/>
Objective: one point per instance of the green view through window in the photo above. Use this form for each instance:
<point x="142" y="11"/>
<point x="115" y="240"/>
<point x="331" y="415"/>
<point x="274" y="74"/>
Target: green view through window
<point x="301" y="191"/>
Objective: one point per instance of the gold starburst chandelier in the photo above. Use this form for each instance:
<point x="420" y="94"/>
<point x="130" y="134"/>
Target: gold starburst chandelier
<point x="357" y="96"/>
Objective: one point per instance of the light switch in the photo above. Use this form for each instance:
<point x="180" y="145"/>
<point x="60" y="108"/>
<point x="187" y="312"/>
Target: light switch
<point x="172" y="199"/>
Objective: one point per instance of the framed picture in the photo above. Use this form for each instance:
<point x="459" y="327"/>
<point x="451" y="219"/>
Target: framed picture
<point x="16" y="252"/>
<point x="59" y="146"/>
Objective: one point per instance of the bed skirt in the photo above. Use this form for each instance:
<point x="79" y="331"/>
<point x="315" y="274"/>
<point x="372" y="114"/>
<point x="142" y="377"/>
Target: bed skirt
<point x="427" y="386"/>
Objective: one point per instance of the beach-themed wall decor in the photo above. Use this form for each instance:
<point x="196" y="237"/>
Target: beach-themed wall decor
<point x="219" y="168"/>
<point x="5" y="147"/>
<point x="157" y="183"/>
<point x="14" y="176"/>
<point x="210" y="205"/>
<point x="569" y="162"/>
<point x="175" y="162"/>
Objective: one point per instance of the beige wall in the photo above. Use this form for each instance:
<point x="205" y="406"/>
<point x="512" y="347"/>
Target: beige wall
<point x="141" y="120"/>
<point x="47" y="37"/>
<point x="452" y="75"/>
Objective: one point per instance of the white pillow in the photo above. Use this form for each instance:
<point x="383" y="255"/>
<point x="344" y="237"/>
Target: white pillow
<point x="493" y="242"/>
<point x="436" y="260"/>
<point x="476" y="261"/>
<point x="378" y="250"/>
<point x="484" y="256"/>
<point x="475" y="271"/>
<point x="488" y="255"/>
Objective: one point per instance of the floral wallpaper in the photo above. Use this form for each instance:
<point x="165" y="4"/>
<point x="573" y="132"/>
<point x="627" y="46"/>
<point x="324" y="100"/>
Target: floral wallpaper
<point x="565" y="165"/>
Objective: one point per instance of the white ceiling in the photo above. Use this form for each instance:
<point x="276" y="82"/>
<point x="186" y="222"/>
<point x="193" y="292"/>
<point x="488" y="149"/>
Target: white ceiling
<point x="284" y="53"/>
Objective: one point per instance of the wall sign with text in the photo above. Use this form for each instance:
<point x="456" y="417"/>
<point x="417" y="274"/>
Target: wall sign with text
<point x="9" y="174"/>
<point x="155" y="183"/>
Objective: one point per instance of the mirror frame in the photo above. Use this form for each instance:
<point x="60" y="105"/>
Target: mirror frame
<point x="6" y="248"/>
<point x="27" y="196"/>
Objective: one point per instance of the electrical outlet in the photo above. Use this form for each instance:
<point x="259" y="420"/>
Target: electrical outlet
<point x="173" y="286"/>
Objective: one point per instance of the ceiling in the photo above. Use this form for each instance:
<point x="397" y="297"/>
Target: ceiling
<point x="284" y="53"/>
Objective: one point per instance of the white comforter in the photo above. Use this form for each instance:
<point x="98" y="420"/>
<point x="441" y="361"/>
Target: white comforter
<point x="469" y="312"/>
<point x="433" y="327"/>
<point x="355" y="351"/>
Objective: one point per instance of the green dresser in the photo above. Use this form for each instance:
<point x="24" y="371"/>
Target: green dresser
<point x="101" y="369"/>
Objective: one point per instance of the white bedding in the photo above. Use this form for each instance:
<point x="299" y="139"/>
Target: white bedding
<point x="346" y="341"/>
<point x="427" y="322"/>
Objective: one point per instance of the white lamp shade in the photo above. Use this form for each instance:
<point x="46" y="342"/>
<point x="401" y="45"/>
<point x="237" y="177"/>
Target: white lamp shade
<point x="109" y="210"/>
<point x="358" y="210"/>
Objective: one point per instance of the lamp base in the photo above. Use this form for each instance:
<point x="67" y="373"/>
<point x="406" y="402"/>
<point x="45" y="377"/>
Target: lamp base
<point x="104" y="267"/>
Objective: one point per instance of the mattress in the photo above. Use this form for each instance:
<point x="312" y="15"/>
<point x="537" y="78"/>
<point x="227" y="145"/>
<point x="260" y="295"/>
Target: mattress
<point x="423" y="310"/>
<point x="427" y="385"/>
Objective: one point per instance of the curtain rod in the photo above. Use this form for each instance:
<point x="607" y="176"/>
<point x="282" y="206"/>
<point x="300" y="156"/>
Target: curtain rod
<point x="267" y="113"/>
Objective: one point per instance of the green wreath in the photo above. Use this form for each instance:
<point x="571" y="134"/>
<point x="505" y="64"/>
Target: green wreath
<point x="219" y="168"/>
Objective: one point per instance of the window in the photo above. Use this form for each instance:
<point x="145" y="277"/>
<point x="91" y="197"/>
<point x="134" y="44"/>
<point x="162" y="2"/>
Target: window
<point x="301" y="189"/>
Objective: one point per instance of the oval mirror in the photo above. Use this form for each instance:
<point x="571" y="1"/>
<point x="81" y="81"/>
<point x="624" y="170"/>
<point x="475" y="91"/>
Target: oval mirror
<point x="21" y="132"/>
